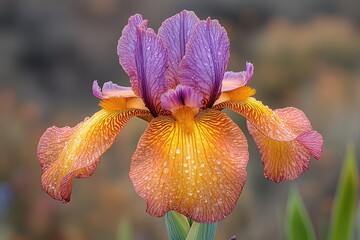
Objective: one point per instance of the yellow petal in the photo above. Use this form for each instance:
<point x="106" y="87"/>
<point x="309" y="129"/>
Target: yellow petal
<point x="284" y="137"/>
<point x="261" y="116"/>
<point x="194" y="165"/>
<point x="65" y="153"/>
<point x="287" y="160"/>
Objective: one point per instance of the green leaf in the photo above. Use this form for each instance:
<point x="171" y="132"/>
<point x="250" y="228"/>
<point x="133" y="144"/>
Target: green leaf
<point x="358" y="223"/>
<point x="344" y="208"/>
<point x="177" y="225"/>
<point x="200" y="231"/>
<point x="125" y="231"/>
<point x="298" y="225"/>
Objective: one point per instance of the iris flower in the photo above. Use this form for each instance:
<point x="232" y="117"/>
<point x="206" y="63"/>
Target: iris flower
<point x="192" y="157"/>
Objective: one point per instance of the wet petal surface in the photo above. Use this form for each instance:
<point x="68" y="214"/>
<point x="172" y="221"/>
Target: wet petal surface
<point x="195" y="166"/>
<point x="175" y="32"/>
<point x="66" y="153"/>
<point x="126" y="49"/>
<point x="286" y="160"/>
<point x="144" y="57"/>
<point x="259" y="115"/>
<point x="206" y="58"/>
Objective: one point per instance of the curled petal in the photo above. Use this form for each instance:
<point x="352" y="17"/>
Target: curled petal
<point x="175" y="32"/>
<point x="286" y="160"/>
<point x="144" y="57"/>
<point x="66" y="153"/>
<point x="193" y="165"/>
<point x="179" y="97"/>
<point x="206" y="58"/>
<point x="233" y="80"/>
<point x="111" y="89"/>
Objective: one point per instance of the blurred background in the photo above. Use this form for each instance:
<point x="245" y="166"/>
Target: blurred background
<point x="306" y="54"/>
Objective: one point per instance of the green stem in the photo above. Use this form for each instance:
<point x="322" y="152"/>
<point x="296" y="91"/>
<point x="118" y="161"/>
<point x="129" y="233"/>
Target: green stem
<point x="180" y="227"/>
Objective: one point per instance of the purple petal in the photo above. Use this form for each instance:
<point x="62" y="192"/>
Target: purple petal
<point x="126" y="48"/>
<point x="205" y="60"/>
<point x="143" y="56"/>
<point x="111" y="89"/>
<point x="175" y="32"/>
<point x="234" y="80"/>
<point x="181" y="96"/>
<point x="97" y="90"/>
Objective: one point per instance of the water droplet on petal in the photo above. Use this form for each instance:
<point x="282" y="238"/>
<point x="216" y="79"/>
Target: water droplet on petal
<point x="177" y="151"/>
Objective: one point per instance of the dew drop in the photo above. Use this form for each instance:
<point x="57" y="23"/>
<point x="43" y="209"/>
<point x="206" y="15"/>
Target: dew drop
<point x="202" y="165"/>
<point x="188" y="157"/>
<point x="177" y="151"/>
<point x="218" y="161"/>
<point x="185" y="164"/>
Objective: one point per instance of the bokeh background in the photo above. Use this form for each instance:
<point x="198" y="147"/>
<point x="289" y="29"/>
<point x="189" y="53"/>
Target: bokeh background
<point x="306" y="54"/>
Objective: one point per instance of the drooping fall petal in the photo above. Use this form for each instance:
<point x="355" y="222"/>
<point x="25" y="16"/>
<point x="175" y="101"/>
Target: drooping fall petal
<point x="261" y="116"/>
<point x="66" y="153"/>
<point x="144" y="57"/>
<point x="206" y="58"/>
<point x="193" y="165"/>
<point x="286" y="160"/>
<point x="175" y="32"/>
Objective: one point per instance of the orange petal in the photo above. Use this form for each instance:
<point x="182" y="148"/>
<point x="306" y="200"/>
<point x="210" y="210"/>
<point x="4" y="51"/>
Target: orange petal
<point x="194" y="165"/>
<point x="66" y="153"/>
<point x="286" y="160"/>
<point x="259" y="115"/>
